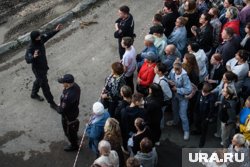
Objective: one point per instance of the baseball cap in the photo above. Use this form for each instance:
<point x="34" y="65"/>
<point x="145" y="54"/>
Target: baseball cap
<point x="67" y="78"/>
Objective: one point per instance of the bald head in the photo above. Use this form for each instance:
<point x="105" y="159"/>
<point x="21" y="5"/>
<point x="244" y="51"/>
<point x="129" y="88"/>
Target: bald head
<point x="170" y="49"/>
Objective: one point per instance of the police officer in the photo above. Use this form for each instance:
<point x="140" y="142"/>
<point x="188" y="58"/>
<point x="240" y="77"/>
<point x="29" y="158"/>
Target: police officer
<point x="36" y="55"/>
<point x="69" y="110"/>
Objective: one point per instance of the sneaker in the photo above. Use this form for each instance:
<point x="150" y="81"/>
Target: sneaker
<point x="69" y="148"/>
<point x="186" y="136"/>
<point x="54" y="106"/>
<point x="216" y="135"/>
<point x="157" y="143"/>
<point x="170" y="123"/>
<point x="37" y="97"/>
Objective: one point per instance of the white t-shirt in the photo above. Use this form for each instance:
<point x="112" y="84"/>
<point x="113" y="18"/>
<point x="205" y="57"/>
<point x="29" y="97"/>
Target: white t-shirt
<point x="129" y="61"/>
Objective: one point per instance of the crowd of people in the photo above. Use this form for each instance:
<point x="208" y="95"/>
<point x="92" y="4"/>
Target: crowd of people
<point x="194" y="64"/>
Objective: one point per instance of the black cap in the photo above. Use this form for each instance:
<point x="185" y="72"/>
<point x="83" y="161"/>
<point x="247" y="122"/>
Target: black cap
<point x="34" y="35"/>
<point x="67" y="78"/>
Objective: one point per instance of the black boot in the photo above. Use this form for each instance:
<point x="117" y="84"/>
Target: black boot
<point x="37" y="97"/>
<point x="54" y="106"/>
<point x="70" y="147"/>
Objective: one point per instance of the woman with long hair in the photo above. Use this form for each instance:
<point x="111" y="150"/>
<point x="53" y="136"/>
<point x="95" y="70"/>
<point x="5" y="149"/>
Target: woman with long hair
<point x="191" y="67"/>
<point x="112" y="134"/>
<point x="233" y="21"/>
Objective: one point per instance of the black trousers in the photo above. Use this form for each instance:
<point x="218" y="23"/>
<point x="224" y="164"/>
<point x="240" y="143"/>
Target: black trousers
<point x="121" y="49"/>
<point x="70" y="129"/>
<point x="202" y="126"/>
<point x="42" y="82"/>
<point x="129" y="82"/>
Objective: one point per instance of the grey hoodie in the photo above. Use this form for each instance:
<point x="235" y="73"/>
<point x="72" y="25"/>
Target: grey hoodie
<point x="147" y="159"/>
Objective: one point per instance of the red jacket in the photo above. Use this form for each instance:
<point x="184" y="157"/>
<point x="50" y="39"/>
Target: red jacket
<point x="146" y="74"/>
<point x="234" y="24"/>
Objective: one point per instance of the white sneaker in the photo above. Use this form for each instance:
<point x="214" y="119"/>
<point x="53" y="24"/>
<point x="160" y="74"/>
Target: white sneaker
<point x="170" y="123"/>
<point x="216" y="135"/>
<point x="186" y="136"/>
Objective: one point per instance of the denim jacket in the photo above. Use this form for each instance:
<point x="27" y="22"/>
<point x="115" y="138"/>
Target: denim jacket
<point x="182" y="83"/>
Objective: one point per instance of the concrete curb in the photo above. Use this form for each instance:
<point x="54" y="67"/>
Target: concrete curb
<point x="24" y="39"/>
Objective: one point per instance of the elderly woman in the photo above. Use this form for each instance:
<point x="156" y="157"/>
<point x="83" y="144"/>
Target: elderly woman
<point x="233" y="22"/>
<point x="179" y="35"/>
<point x="107" y="157"/>
<point x="112" y="134"/>
<point x="146" y="74"/>
<point x="95" y="127"/>
<point x="111" y="92"/>
<point x="240" y="145"/>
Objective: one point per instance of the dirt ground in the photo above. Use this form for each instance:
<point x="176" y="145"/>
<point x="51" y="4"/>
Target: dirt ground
<point x="18" y="17"/>
<point x="30" y="132"/>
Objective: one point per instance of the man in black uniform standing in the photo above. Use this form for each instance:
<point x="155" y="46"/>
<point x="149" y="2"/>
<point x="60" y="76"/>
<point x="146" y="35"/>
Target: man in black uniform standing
<point x="36" y="55"/>
<point x="69" y="110"/>
<point x="124" y="27"/>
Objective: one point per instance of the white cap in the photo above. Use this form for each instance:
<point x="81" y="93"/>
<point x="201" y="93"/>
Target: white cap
<point x="149" y="38"/>
<point x="98" y="108"/>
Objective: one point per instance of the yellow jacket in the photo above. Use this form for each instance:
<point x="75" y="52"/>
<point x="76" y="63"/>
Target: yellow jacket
<point x="245" y="128"/>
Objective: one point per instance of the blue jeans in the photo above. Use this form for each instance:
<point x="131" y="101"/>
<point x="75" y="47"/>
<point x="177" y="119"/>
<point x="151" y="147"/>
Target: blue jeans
<point x="179" y="107"/>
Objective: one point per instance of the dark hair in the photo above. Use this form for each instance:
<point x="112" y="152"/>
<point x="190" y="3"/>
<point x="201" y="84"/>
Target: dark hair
<point x="207" y="17"/>
<point x="139" y="122"/>
<point x="215" y="11"/>
<point x="191" y="64"/>
<point x="117" y="67"/>
<point x="162" y="68"/>
<point x="217" y="57"/>
<point x="128" y="41"/>
<point x="158" y="17"/>
<point x="156" y="90"/>
<point x="248" y="25"/>
<point x="146" y="145"/>
<point x="191" y="5"/>
<point x="207" y="87"/>
<point x="171" y="5"/>
<point x="230" y="31"/>
<point x="231" y="2"/>
<point x="243" y="54"/>
<point x="137" y="97"/>
<point x="157" y="29"/>
<point x="231" y="76"/>
<point x="124" y="9"/>
<point x="133" y="162"/>
<point x="194" y="46"/>
<point x="126" y="91"/>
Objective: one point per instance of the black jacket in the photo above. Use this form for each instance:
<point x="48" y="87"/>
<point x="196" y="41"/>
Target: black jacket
<point x="205" y="38"/>
<point x="205" y="106"/>
<point x="228" y="111"/>
<point x="122" y="105"/>
<point x="126" y="27"/>
<point x="40" y="62"/>
<point x="168" y="22"/>
<point x="69" y="102"/>
<point x="193" y="20"/>
<point x="229" y="48"/>
<point x="218" y="74"/>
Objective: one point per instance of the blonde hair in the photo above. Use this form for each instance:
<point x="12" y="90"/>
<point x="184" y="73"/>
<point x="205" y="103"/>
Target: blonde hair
<point x="112" y="131"/>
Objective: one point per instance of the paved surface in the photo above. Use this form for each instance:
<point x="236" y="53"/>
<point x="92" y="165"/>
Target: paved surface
<point x="30" y="132"/>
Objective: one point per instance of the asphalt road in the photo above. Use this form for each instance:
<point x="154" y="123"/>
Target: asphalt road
<point x="30" y="132"/>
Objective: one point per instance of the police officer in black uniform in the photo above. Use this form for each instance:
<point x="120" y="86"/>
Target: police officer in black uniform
<point x="36" y="55"/>
<point x="69" y="110"/>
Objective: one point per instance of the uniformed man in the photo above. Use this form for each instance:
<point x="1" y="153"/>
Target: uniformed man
<point x="69" y="110"/>
<point x="36" y="55"/>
